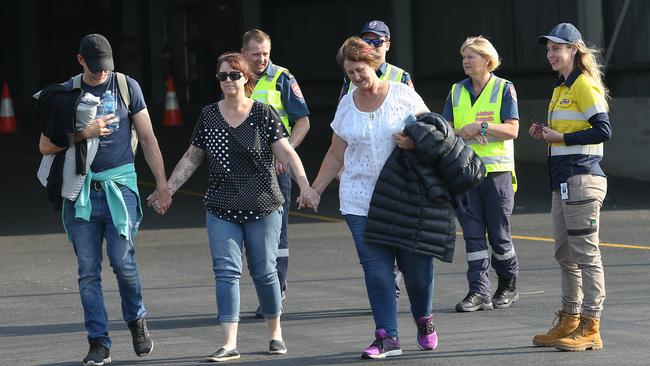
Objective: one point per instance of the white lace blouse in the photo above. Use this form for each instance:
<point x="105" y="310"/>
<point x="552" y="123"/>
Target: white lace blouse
<point x="370" y="142"/>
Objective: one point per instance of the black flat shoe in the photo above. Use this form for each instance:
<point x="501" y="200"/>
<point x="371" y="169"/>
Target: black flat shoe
<point x="223" y="354"/>
<point x="277" y="348"/>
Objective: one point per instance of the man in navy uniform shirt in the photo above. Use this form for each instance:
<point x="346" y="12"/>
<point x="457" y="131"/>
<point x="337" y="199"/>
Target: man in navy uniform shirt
<point x="278" y="88"/>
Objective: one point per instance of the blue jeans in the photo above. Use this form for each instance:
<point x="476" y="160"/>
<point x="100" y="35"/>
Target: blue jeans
<point x="378" y="264"/>
<point x="87" y="239"/>
<point x="260" y="237"/>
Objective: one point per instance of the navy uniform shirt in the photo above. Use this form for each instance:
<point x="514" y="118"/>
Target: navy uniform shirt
<point x="509" y="109"/>
<point x="292" y="98"/>
<point x="115" y="149"/>
<point x="406" y="79"/>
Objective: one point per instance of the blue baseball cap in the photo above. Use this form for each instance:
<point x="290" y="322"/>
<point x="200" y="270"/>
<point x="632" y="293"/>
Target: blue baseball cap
<point x="562" y="33"/>
<point x="377" y="27"/>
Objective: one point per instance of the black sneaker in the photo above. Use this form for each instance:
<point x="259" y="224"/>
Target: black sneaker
<point x="223" y="354"/>
<point x="142" y="342"/>
<point x="277" y="348"/>
<point x="98" y="355"/>
<point x="474" y="301"/>
<point x="506" y="293"/>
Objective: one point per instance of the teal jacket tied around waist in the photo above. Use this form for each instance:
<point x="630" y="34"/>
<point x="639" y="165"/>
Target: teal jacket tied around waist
<point x="124" y="175"/>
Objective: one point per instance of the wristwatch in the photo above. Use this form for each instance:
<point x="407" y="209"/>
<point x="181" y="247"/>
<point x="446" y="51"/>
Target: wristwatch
<point x="484" y="127"/>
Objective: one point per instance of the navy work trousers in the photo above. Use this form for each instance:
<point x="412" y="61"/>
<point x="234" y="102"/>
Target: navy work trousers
<point x="487" y="210"/>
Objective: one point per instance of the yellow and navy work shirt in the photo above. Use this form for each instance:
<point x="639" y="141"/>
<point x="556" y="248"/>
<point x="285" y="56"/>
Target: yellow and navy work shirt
<point x="292" y="99"/>
<point x="578" y="110"/>
<point x="385" y="68"/>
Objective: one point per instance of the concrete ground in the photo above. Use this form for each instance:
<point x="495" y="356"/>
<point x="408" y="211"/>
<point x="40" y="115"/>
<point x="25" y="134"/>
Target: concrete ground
<point x="327" y="319"/>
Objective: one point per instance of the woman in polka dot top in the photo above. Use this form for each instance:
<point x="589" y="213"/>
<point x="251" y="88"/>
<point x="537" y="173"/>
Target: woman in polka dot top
<point x="241" y="138"/>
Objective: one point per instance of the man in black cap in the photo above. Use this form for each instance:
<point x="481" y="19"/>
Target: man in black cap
<point x="377" y="34"/>
<point x="108" y="207"/>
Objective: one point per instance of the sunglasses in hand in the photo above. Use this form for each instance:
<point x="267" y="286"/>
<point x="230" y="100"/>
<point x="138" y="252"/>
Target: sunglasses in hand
<point x="374" y="42"/>
<point x="233" y="75"/>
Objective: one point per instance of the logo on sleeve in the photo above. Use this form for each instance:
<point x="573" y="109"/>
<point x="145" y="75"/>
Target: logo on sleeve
<point x="565" y="101"/>
<point x="513" y="92"/>
<point x="296" y="91"/>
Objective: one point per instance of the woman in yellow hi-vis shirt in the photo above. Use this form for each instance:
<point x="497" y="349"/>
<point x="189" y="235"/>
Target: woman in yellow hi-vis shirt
<point x="483" y="110"/>
<point x="578" y="126"/>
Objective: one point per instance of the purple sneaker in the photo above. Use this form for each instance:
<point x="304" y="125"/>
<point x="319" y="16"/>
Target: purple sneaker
<point x="382" y="347"/>
<point x="427" y="336"/>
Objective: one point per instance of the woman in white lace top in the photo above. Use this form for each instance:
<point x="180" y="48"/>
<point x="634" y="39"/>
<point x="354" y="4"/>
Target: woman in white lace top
<point x="367" y="127"/>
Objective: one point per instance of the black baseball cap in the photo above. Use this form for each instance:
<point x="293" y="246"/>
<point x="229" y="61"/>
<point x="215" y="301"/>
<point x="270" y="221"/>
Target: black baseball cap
<point x="562" y="33"/>
<point x="377" y="27"/>
<point x="97" y="52"/>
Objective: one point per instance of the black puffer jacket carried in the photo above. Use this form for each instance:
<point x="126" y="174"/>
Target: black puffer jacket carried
<point x="411" y="206"/>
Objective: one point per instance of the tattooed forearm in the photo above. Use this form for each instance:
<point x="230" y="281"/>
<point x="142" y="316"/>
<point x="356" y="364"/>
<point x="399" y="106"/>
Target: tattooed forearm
<point x="185" y="168"/>
<point x="291" y="170"/>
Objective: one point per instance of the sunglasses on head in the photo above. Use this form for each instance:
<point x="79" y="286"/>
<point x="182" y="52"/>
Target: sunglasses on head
<point x="374" y="42"/>
<point x="233" y="75"/>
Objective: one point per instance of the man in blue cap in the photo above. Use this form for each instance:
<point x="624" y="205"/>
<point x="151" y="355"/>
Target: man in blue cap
<point x="377" y="34"/>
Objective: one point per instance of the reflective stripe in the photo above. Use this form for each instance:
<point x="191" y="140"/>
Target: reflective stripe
<point x="475" y="256"/>
<point x="595" y="110"/>
<point x="577" y="149"/>
<point x="496" y="89"/>
<point x="507" y="255"/>
<point x="456" y="97"/>
<point x="567" y="116"/>
<point x="497" y="159"/>
<point x="283" y="253"/>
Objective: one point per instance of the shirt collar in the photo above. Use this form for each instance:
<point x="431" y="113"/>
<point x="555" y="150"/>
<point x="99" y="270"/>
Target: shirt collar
<point x="382" y="69"/>
<point x="467" y="83"/>
<point x="270" y="69"/>
<point x="570" y="80"/>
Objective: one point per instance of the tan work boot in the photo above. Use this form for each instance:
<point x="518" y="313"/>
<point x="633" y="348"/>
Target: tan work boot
<point x="566" y="324"/>
<point x="586" y="336"/>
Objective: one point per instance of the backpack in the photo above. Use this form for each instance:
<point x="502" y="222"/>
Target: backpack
<point x="125" y="94"/>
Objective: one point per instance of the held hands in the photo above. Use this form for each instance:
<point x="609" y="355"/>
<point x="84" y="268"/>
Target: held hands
<point x="309" y="198"/>
<point x="403" y="141"/>
<point x="99" y="126"/>
<point x="472" y="131"/>
<point x="160" y="200"/>
<point x="542" y="132"/>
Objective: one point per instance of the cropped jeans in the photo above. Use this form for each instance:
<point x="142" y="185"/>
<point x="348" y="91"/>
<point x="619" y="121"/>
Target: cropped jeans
<point x="227" y="241"/>
<point x="378" y="264"/>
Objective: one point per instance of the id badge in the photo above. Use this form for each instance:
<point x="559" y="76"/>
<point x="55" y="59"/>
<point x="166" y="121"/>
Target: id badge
<point x="564" y="191"/>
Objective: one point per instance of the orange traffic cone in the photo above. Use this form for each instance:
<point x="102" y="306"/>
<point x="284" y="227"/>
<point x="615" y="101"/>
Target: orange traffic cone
<point x="7" y="118"/>
<point x="172" y="113"/>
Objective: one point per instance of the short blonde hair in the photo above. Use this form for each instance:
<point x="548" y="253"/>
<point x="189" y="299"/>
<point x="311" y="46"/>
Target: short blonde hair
<point x="484" y="48"/>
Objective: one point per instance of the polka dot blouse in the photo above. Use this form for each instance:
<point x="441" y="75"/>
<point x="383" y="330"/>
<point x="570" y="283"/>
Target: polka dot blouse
<point x="242" y="181"/>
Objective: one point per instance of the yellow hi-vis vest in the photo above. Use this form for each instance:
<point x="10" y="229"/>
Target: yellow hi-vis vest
<point x="569" y="111"/>
<point x="498" y="155"/>
<point x="265" y="92"/>
<point x="393" y="73"/>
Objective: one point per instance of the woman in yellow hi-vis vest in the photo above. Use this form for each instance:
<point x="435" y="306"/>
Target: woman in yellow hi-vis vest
<point x="483" y="110"/>
<point x="578" y="126"/>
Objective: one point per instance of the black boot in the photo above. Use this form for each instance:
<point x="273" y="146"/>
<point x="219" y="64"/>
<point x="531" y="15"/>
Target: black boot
<point x="474" y="301"/>
<point x="506" y="293"/>
<point x="142" y="342"/>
